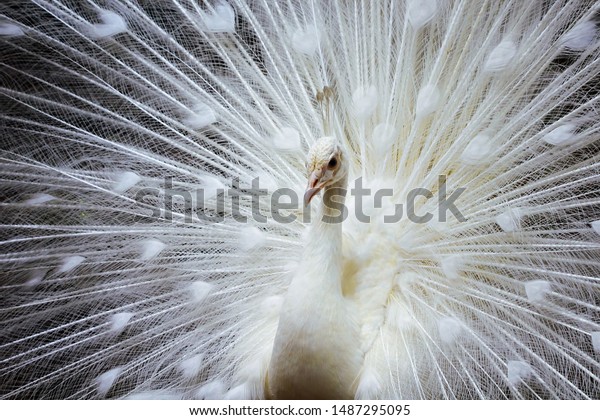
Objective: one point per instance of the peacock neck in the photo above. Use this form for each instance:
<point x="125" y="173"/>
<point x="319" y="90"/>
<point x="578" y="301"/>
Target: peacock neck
<point x="323" y="251"/>
<point x="315" y="353"/>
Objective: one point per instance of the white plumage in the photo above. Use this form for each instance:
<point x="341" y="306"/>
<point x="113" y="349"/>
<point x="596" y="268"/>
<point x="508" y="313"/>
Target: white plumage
<point x="127" y="274"/>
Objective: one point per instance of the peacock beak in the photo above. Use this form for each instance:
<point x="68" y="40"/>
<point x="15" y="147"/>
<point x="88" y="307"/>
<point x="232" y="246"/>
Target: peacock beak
<point x="313" y="186"/>
<point x="309" y="194"/>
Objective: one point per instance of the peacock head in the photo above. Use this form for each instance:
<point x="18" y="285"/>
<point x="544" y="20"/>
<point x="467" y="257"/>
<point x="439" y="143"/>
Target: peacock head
<point x="326" y="166"/>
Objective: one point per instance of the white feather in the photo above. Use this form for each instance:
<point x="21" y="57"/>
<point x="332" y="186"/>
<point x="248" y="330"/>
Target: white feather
<point x="240" y="392"/>
<point x="478" y="151"/>
<point x="510" y="219"/>
<point x="214" y="390"/>
<point x="10" y="29"/>
<point x="596" y="226"/>
<point x="306" y="40"/>
<point x="501" y="56"/>
<point x="428" y="100"/>
<point x="369" y="385"/>
<point x="201" y="115"/>
<point x="192" y="366"/>
<point x="563" y="134"/>
<point x="420" y="12"/>
<point x="287" y="139"/>
<point x="40" y="199"/>
<point x="112" y="24"/>
<point x="450" y="329"/>
<point x="364" y="100"/>
<point x="200" y="290"/>
<point x="119" y="321"/>
<point x="581" y="36"/>
<point x="452" y="266"/>
<point x="596" y="341"/>
<point x="220" y="19"/>
<point x="518" y="371"/>
<point x="251" y="238"/>
<point x="69" y="263"/>
<point x="105" y="381"/>
<point x="35" y="278"/>
<point x="108" y="113"/>
<point x="151" y="248"/>
<point x="537" y="290"/>
<point x="383" y="138"/>
<point x="272" y="305"/>
<point x="125" y="181"/>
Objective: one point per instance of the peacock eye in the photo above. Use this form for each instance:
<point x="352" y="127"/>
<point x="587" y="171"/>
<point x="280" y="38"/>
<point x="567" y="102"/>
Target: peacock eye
<point x="332" y="163"/>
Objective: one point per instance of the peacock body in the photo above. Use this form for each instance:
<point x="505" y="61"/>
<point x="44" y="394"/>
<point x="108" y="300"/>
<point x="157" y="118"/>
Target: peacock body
<point x="136" y="263"/>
